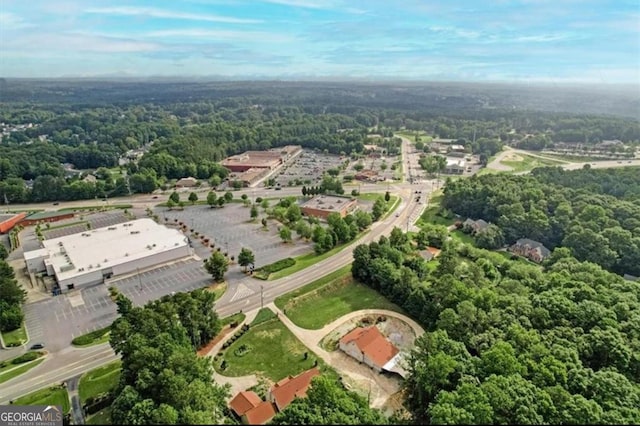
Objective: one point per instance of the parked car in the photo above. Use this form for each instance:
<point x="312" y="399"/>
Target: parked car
<point x="37" y="346"/>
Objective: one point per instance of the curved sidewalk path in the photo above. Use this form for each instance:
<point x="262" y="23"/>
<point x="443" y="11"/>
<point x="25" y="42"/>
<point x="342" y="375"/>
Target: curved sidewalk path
<point x="239" y="383"/>
<point x="379" y="386"/>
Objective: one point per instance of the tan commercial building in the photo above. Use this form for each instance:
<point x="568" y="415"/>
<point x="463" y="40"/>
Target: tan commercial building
<point x="261" y="159"/>
<point x="322" y="206"/>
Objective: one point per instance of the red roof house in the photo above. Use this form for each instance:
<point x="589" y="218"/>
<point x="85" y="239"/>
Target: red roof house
<point x="244" y="401"/>
<point x="259" y="415"/>
<point x="368" y="345"/>
<point x="286" y="390"/>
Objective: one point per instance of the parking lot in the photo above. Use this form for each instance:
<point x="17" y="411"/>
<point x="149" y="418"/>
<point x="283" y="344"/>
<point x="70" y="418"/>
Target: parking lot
<point x="57" y="320"/>
<point x="308" y="168"/>
<point x="229" y="228"/>
<point x="96" y="220"/>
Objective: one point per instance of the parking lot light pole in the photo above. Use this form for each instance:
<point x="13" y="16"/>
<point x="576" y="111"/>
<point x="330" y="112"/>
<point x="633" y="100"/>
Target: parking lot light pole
<point x="261" y="296"/>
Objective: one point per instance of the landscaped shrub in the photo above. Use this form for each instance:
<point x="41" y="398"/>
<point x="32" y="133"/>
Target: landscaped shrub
<point x="29" y="356"/>
<point x="89" y="338"/>
<point x="242" y="350"/>
<point x="263" y="272"/>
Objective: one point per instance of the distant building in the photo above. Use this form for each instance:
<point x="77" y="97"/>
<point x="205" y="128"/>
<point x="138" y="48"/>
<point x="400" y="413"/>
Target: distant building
<point x="187" y="182"/>
<point x="261" y="159"/>
<point x="251" y="176"/>
<point x="454" y="166"/>
<point x="90" y="178"/>
<point x="321" y="206"/>
<point x="367" y="175"/>
<point x="430" y="253"/>
<point x="530" y="249"/>
<point x="45" y="216"/>
<point x="369" y="346"/>
<point x="457" y="148"/>
<point x="475" y="226"/>
<point x="8" y="221"/>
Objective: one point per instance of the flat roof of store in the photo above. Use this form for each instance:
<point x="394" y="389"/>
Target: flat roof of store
<point x="327" y="202"/>
<point x="112" y="245"/>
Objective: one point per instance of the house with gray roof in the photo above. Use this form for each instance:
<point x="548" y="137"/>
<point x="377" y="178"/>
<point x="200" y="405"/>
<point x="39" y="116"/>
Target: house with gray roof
<point x="530" y="249"/>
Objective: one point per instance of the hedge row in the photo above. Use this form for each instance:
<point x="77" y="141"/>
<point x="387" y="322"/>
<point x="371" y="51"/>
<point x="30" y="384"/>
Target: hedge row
<point x="26" y="357"/>
<point x="275" y="267"/>
<point x="87" y="339"/>
<point x="236" y="336"/>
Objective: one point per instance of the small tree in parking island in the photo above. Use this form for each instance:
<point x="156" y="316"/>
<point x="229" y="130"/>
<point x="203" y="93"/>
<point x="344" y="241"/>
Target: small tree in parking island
<point x="212" y="199"/>
<point x="285" y="234"/>
<point x="254" y="212"/>
<point x="217" y="265"/>
<point x="193" y="197"/>
<point x="245" y="258"/>
<point x="175" y="197"/>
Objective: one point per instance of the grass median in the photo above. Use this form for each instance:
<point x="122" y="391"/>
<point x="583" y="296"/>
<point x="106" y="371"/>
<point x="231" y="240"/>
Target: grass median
<point x="21" y="364"/>
<point x="95" y="337"/>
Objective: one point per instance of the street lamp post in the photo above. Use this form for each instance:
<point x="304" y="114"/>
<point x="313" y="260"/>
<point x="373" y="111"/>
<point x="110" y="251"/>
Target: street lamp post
<point x="261" y="296"/>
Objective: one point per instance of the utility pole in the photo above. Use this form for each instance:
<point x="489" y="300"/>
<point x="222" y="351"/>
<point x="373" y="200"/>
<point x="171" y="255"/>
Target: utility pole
<point x="139" y="279"/>
<point x="261" y="296"/>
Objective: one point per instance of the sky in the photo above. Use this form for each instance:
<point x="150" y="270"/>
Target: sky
<point x="594" y="41"/>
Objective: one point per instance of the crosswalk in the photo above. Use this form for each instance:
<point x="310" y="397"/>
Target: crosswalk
<point x="242" y="292"/>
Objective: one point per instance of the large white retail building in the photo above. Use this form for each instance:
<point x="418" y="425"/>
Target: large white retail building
<point x="94" y="255"/>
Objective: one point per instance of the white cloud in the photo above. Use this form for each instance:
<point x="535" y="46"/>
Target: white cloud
<point x="77" y="43"/>
<point x="169" y="14"/>
<point x="11" y="21"/>
<point x="232" y="35"/>
<point x="309" y="4"/>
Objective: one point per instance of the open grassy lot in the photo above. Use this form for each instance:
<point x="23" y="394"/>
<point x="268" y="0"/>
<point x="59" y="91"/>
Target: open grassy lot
<point x="55" y="395"/>
<point x="99" y="380"/>
<point x="320" y="305"/>
<point x="529" y="162"/>
<point x="15" y="337"/>
<point x="430" y="214"/>
<point x="462" y="237"/>
<point x="268" y="348"/>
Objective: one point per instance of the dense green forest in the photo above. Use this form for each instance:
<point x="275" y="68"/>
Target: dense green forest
<point x="184" y="129"/>
<point x="593" y="213"/>
<point x="12" y="296"/>
<point x="509" y="342"/>
<point x="163" y="381"/>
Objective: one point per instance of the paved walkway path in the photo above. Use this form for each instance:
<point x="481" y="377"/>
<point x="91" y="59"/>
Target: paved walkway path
<point x="237" y="383"/>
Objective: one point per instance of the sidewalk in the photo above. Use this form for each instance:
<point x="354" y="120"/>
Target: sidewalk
<point x="237" y="383"/>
